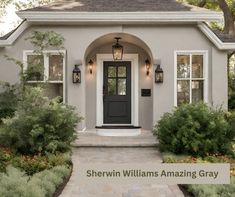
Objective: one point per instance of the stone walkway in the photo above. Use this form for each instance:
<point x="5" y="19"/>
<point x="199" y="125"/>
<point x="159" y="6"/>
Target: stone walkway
<point x="124" y="155"/>
<point x="91" y="139"/>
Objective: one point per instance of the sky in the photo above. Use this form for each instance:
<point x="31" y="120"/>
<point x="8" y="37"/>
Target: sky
<point x="9" y="21"/>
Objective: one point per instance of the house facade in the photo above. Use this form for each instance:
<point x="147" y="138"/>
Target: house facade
<point x="155" y="36"/>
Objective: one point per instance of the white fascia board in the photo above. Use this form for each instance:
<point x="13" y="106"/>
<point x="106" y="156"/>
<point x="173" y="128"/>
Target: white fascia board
<point x="11" y="39"/>
<point x="120" y="17"/>
<point x="214" y="39"/>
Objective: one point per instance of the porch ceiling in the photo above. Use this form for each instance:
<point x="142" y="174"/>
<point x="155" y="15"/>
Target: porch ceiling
<point x="125" y="38"/>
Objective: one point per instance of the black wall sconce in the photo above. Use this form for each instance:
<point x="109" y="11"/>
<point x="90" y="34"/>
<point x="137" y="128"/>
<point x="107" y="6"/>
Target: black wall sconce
<point x="147" y="65"/>
<point x="158" y="74"/>
<point x="76" y="74"/>
<point x="90" y="66"/>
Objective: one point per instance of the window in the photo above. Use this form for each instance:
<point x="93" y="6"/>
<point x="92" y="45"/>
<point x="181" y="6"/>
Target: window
<point x="47" y="67"/>
<point x="35" y="69"/>
<point x="117" y="80"/>
<point x="191" y="77"/>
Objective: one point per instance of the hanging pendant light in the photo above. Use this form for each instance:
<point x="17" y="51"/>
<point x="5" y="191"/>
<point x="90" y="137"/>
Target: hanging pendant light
<point x="117" y="50"/>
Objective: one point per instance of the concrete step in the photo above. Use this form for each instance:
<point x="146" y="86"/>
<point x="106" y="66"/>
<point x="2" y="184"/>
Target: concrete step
<point x="92" y="139"/>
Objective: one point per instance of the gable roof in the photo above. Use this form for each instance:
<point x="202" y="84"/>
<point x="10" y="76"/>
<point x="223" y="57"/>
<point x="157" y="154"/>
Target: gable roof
<point x="117" y="6"/>
<point x="220" y="40"/>
<point x="120" y="12"/>
<point x="8" y="35"/>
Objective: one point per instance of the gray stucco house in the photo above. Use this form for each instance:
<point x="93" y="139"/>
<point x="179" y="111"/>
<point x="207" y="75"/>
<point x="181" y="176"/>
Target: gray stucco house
<point x="156" y="36"/>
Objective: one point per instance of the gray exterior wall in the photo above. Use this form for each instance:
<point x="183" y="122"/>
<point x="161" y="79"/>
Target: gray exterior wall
<point x="154" y="42"/>
<point x="145" y="103"/>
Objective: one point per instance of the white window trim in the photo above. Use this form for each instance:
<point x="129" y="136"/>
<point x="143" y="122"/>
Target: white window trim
<point x="205" y="72"/>
<point x="46" y="67"/>
<point x="134" y="88"/>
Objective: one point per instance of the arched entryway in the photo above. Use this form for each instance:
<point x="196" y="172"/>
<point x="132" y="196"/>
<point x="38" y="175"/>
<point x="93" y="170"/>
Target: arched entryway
<point x="132" y="82"/>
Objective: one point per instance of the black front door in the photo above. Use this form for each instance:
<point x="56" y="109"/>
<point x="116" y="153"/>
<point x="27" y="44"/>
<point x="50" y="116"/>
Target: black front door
<point x="117" y="92"/>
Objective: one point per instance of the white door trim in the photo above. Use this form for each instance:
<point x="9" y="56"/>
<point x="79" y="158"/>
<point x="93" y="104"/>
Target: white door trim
<point x="134" y="59"/>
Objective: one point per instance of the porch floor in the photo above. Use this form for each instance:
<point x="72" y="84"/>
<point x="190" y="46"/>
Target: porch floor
<point x="92" y="139"/>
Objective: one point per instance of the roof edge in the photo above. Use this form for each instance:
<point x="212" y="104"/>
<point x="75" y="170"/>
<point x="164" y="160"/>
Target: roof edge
<point x="15" y="34"/>
<point x="202" y="26"/>
<point x="214" y="38"/>
<point x="124" y="17"/>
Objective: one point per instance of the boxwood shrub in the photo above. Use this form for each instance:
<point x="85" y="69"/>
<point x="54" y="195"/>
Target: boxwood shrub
<point x="195" y="129"/>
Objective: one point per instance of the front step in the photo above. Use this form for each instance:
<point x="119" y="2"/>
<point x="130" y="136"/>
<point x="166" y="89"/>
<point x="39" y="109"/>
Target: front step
<point x="91" y="139"/>
<point x="118" y="132"/>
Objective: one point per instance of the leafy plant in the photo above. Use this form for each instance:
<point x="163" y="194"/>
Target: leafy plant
<point x="231" y="91"/>
<point x="43" y="40"/>
<point x="32" y="164"/>
<point x="213" y="190"/>
<point x="43" y="184"/>
<point x="35" y="164"/>
<point x="40" y="125"/>
<point x="8" y="100"/>
<point x="195" y="129"/>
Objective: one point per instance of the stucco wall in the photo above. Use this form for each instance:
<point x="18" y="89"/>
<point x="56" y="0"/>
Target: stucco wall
<point x="219" y="79"/>
<point x="162" y="41"/>
<point x="145" y="82"/>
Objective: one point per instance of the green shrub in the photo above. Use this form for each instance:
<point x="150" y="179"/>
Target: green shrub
<point x="35" y="164"/>
<point x="5" y="157"/>
<point x="40" y="125"/>
<point x="195" y="129"/>
<point x="213" y="190"/>
<point x="32" y="164"/>
<point x="59" y="159"/>
<point x="231" y="91"/>
<point x="172" y="158"/>
<point x="43" y="184"/>
<point x="8" y="100"/>
<point x="15" y="183"/>
<point x="230" y="116"/>
<point x="50" y="179"/>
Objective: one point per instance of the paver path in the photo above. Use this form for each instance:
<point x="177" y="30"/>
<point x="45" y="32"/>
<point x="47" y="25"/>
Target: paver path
<point x="91" y="139"/>
<point x="116" y="155"/>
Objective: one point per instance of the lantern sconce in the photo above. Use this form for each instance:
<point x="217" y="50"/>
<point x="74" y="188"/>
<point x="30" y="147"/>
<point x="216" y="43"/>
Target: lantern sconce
<point x="158" y="74"/>
<point x="117" y="50"/>
<point x="90" y="66"/>
<point x="147" y="65"/>
<point x="76" y="74"/>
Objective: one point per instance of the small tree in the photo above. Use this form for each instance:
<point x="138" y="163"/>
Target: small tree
<point x="11" y="94"/>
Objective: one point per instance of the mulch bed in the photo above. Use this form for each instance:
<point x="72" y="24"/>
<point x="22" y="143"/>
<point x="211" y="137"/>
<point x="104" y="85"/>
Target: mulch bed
<point x="61" y="187"/>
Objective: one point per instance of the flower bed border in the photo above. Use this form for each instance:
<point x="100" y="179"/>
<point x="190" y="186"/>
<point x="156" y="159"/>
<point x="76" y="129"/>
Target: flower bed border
<point x="61" y="187"/>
